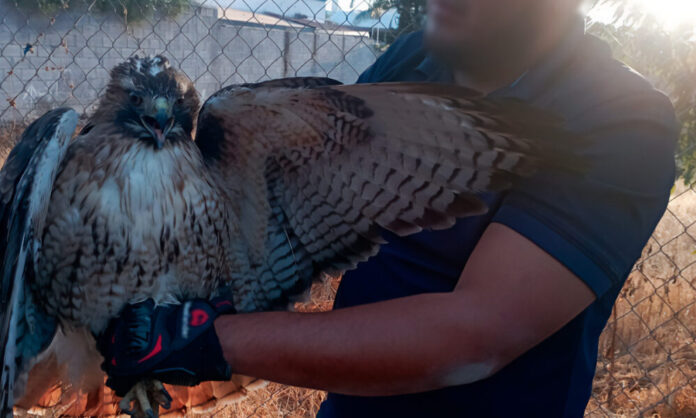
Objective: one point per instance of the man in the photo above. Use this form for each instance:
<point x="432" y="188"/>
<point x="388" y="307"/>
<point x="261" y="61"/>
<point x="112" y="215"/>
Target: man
<point x="501" y="314"/>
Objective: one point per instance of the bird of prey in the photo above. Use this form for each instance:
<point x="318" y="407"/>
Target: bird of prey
<point x="286" y="179"/>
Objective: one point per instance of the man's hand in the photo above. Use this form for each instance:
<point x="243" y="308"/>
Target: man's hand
<point x="171" y="344"/>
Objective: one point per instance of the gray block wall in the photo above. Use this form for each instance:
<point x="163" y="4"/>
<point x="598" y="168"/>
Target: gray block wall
<point x="46" y="62"/>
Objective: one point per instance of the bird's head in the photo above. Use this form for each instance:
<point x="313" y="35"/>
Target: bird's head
<point x="151" y="101"/>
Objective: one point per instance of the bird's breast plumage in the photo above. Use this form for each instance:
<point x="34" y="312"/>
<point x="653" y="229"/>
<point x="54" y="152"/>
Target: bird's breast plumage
<point x="127" y="222"/>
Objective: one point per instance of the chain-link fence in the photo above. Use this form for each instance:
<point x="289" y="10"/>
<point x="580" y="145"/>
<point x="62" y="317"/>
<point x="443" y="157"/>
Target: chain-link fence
<point x="65" y="58"/>
<point x="647" y="353"/>
<point x="60" y="54"/>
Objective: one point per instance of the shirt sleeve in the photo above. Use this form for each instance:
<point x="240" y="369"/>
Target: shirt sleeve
<point x="597" y="224"/>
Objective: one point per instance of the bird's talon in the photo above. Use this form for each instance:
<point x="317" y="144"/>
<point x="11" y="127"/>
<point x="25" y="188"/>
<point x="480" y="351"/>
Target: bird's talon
<point x="162" y="390"/>
<point x="145" y="397"/>
<point x="167" y="404"/>
<point x="166" y="394"/>
<point x="125" y="403"/>
<point x="161" y="395"/>
<point x="167" y="400"/>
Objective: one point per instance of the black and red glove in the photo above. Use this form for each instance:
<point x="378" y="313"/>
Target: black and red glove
<point x="174" y="344"/>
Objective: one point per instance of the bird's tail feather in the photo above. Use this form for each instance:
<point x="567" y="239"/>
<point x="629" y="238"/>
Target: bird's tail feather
<point x="72" y="357"/>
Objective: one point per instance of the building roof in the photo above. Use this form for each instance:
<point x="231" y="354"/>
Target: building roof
<point x="327" y="26"/>
<point x="259" y="19"/>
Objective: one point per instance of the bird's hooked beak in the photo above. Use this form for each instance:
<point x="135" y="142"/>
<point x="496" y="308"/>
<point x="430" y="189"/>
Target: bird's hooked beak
<point x="159" y="121"/>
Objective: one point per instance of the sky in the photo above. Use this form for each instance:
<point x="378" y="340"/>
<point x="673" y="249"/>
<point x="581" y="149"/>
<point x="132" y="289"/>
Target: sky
<point x="346" y="4"/>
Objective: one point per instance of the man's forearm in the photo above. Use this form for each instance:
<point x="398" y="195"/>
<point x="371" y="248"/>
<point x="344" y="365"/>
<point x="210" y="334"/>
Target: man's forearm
<point x="406" y="345"/>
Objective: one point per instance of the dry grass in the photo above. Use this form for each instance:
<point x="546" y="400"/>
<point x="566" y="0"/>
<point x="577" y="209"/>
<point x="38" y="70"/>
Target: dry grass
<point x="647" y="353"/>
<point x="274" y="400"/>
<point x="9" y="135"/>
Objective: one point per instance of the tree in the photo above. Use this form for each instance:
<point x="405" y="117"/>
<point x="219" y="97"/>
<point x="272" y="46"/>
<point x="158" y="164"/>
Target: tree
<point x="133" y="10"/>
<point x="411" y="15"/>
<point x="411" y="12"/>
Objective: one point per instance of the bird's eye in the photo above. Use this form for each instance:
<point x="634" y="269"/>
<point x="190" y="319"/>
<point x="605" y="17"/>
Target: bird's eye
<point x="136" y="99"/>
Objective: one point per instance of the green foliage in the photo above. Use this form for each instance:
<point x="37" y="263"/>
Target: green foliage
<point x="132" y="10"/>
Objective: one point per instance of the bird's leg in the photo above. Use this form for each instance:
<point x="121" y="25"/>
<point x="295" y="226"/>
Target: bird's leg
<point x="146" y="397"/>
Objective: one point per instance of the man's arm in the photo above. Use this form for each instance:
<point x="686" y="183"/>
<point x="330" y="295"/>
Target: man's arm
<point x="511" y="296"/>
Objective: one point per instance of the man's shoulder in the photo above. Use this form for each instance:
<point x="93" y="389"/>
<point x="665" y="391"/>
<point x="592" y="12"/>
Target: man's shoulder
<point x="597" y="90"/>
<point x="404" y="54"/>
<point x="406" y="44"/>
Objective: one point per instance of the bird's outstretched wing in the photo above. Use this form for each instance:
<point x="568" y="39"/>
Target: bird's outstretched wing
<point x="26" y="181"/>
<point x="339" y="163"/>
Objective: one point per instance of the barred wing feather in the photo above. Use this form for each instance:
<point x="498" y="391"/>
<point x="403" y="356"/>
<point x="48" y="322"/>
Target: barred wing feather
<point x="26" y="181"/>
<point x="325" y="167"/>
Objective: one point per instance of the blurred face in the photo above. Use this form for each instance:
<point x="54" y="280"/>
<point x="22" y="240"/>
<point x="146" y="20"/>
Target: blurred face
<point x="458" y="30"/>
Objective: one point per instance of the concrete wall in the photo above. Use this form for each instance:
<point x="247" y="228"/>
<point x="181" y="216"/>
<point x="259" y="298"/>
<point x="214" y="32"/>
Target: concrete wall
<point x="68" y="58"/>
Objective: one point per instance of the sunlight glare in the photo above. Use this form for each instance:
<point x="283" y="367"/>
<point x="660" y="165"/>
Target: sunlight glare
<point x="670" y="13"/>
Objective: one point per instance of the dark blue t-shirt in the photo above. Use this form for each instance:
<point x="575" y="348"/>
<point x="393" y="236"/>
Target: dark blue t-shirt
<point x="596" y="226"/>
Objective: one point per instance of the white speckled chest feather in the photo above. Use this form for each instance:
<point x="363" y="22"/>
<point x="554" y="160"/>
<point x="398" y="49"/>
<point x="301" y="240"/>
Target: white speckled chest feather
<point x="127" y="222"/>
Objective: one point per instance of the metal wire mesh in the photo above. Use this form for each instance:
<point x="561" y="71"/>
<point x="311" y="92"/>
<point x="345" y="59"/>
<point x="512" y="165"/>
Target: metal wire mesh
<point x="64" y="58"/>
<point x="647" y="355"/>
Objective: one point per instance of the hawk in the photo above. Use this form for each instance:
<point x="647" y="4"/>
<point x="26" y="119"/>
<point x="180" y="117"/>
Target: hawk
<point x="286" y="179"/>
